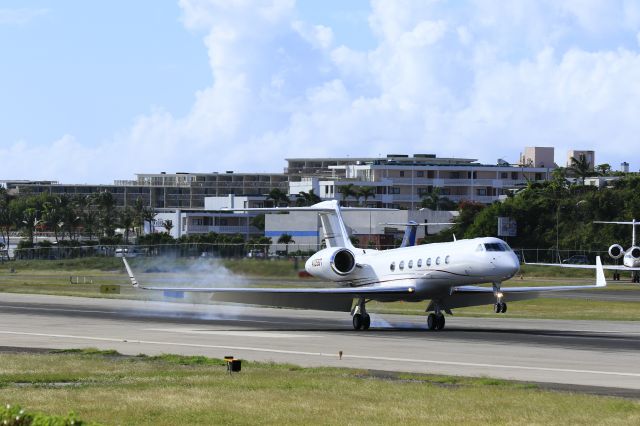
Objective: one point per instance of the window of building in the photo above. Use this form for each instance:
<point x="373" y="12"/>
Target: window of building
<point x="419" y="264"/>
<point x="401" y="265"/>
<point x="504" y="175"/>
<point x="420" y="173"/>
<point x="481" y="191"/>
<point x="538" y="176"/>
<point x="410" y="264"/>
<point x="430" y="174"/>
<point x="514" y="175"/>
<point x="394" y="190"/>
<point x="401" y="173"/>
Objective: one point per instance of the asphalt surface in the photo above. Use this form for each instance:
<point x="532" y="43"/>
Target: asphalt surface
<point x="598" y="356"/>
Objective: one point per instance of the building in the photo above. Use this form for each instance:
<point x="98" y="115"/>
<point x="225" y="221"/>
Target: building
<point x="165" y="191"/>
<point x="589" y="156"/>
<point x="537" y="156"/>
<point x="370" y="228"/>
<point x="402" y="181"/>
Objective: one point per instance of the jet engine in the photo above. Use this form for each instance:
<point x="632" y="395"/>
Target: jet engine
<point x="331" y="263"/>
<point x="634" y="252"/>
<point x="616" y="251"/>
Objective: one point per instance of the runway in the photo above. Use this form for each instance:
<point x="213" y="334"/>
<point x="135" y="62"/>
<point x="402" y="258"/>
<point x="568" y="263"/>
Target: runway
<point x="587" y="353"/>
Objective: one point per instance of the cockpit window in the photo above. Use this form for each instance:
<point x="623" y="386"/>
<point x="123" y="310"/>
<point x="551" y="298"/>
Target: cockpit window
<point x="496" y="247"/>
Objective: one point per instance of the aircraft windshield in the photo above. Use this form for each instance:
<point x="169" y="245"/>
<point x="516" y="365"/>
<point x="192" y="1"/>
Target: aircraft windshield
<point x="496" y="247"/>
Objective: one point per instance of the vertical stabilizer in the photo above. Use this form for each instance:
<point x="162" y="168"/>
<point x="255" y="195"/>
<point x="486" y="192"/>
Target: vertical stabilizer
<point x="333" y="228"/>
<point x="409" y="238"/>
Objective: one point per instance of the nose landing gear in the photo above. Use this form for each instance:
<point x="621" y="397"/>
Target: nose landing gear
<point x="499" y="307"/>
<point x="435" y="321"/>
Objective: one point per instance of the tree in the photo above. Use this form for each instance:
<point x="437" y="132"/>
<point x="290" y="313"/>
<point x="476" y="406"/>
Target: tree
<point x="7" y="219"/>
<point x="148" y="215"/>
<point x="603" y="169"/>
<point x="581" y="167"/>
<point x="286" y="239"/>
<point x="127" y="216"/>
<point x="367" y="192"/>
<point x="168" y="225"/>
<point x="52" y="215"/>
<point x="29" y="222"/>
<point x="348" y="190"/>
<point x="278" y="197"/>
<point x="106" y="203"/>
<point x="307" y="198"/>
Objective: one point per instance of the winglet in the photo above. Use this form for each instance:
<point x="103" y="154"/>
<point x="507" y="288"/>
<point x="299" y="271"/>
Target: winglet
<point x="600" y="279"/>
<point x="130" y="272"/>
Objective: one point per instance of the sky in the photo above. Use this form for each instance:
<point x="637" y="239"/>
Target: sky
<point x="91" y="92"/>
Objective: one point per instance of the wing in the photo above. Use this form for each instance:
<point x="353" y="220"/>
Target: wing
<point x="330" y="299"/>
<point x="464" y="296"/>
<point x="576" y="266"/>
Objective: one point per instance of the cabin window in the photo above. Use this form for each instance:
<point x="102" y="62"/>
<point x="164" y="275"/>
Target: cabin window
<point x="429" y="262"/>
<point x="401" y="265"/>
<point x="392" y="266"/>
<point x="438" y="260"/>
<point x="447" y="259"/>
<point x="419" y="264"/>
<point x="410" y="265"/>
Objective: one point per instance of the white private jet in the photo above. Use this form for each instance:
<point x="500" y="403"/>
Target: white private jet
<point x="446" y="274"/>
<point x="630" y="257"/>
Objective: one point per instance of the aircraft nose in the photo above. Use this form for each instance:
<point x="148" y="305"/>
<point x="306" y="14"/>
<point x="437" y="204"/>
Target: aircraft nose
<point x="507" y="265"/>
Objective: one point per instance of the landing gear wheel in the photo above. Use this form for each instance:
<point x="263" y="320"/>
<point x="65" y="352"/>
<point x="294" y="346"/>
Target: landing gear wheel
<point x="431" y="322"/>
<point x="358" y="322"/>
<point x="439" y="322"/>
<point x="366" y="321"/>
<point x="497" y="307"/>
<point x="504" y="308"/>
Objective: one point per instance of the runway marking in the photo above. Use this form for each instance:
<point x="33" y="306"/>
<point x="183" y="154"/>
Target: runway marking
<point x="330" y="355"/>
<point x="238" y="333"/>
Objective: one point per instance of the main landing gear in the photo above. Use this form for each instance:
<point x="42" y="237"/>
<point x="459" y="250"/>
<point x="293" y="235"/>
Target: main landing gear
<point x="499" y="307"/>
<point x="435" y="321"/>
<point x="361" y="319"/>
<point x="635" y="277"/>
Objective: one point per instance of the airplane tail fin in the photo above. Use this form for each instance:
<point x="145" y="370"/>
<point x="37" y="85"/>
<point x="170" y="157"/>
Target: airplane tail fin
<point x="333" y="228"/>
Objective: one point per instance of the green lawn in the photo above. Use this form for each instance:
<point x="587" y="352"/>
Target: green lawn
<point x="170" y="390"/>
<point x="53" y="277"/>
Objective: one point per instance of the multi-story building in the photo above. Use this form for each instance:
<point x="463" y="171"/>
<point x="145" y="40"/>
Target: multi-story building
<point x="401" y="181"/>
<point x="163" y="190"/>
<point x="589" y="156"/>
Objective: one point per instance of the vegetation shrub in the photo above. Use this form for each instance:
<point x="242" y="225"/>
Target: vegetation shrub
<point x="14" y="415"/>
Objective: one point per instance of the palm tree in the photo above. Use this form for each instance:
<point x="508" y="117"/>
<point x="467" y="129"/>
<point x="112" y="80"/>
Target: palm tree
<point x="307" y="198"/>
<point x="168" y="225"/>
<point x="106" y="203"/>
<point x="286" y="239"/>
<point x="367" y="192"/>
<point x="29" y="222"/>
<point x="7" y="219"/>
<point x="581" y="167"/>
<point x="347" y="191"/>
<point x="603" y="169"/>
<point x="148" y="215"/>
<point x="278" y="197"/>
<point x="126" y="220"/>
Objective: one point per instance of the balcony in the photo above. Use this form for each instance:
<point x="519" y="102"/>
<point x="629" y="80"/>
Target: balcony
<point x="203" y="229"/>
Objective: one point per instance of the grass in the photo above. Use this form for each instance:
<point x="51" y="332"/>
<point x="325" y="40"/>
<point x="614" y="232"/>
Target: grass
<point x="172" y="389"/>
<point x="565" y="309"/>
<point x="53" y="277"/>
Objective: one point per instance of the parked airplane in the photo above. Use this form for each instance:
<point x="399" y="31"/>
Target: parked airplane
<point x="630" y="257"/>
<point x="443" y="273"/>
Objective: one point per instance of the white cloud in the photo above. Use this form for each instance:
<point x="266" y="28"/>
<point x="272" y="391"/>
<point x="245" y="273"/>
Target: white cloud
<point x="478" y="80"/>
<point x="20" y="16"/>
